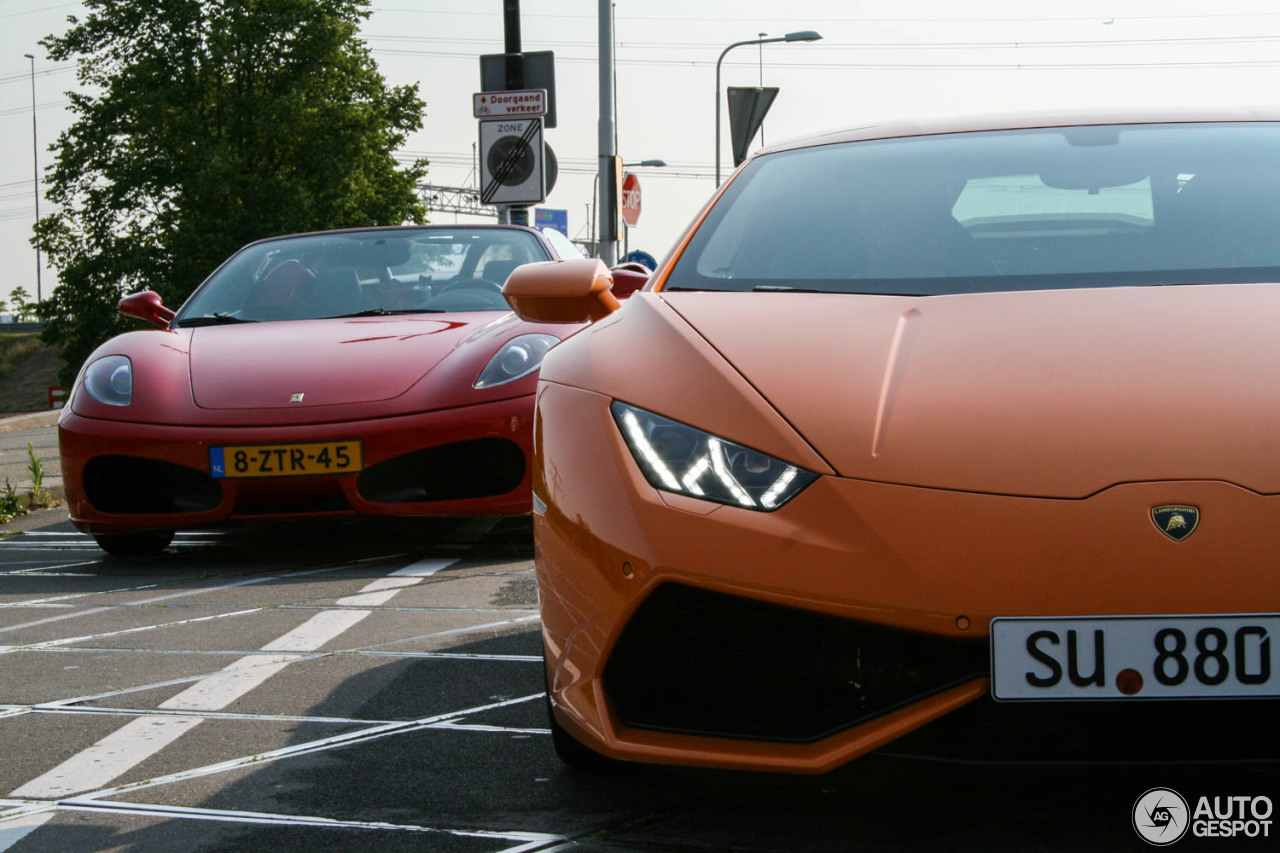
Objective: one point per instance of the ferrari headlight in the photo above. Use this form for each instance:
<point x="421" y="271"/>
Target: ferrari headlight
<point x="110" y="380"/>
<point x="517" y="359"/>
<point x="678" y="458"/>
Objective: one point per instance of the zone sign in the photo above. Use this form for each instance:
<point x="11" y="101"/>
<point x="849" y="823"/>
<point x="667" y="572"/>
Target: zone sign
<point x="511" y="161"/>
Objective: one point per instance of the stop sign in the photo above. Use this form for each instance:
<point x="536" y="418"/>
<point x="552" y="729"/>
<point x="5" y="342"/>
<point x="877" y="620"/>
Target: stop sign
<point x="631" y="199"/>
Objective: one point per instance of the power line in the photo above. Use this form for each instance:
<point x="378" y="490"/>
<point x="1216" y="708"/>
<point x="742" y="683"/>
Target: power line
<point x="25" y="76"/>
<point x="821" y="21"/>
<point x="27" y="109"/>
<point x="828" y="47"/>
<point x="899" y="66"/>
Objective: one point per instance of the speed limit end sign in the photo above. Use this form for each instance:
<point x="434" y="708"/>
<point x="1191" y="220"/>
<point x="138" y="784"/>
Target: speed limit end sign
<point x="512" y="169"/>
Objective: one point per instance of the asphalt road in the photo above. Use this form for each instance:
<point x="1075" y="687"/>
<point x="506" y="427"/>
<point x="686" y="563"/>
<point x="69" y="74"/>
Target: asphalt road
<point x="321" y="687"/>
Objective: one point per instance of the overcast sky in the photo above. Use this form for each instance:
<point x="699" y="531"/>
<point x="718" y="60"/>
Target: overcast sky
<point x="876" y="61"/>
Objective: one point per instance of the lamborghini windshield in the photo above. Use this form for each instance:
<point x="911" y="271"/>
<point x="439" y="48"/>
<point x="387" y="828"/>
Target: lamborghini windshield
<point x="1009" y="210"/>
<point x="363" y="273"/>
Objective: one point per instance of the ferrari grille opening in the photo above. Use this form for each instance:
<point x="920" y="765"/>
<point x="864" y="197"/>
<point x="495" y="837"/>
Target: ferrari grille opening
<point x="707" y="663"/>
<point x="131" y="485"/>
<point x="480" y="468"/>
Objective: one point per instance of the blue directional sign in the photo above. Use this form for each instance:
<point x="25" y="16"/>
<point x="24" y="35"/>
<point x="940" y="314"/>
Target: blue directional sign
<point x="641" y="258"/>
<point x="546" y="217"/>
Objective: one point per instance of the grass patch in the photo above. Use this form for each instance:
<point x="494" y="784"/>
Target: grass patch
<point x="12" y="504"/>
<point x="13" y="347"/>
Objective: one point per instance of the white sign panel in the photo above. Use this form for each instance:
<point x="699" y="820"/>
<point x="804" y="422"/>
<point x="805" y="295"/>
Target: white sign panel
<point x="519" y="102"/>
<point x="512" y="161"/>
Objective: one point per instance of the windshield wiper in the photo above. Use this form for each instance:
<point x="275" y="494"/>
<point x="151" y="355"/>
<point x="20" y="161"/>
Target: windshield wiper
<point x="214" y="319"/>
<point x="385" y="312"/>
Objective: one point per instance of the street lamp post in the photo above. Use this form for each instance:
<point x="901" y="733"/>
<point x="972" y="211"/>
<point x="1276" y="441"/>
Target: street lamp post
<point x="802" y="35"/>
<point x="35" y="166"/>
<point x="626" y="229"/>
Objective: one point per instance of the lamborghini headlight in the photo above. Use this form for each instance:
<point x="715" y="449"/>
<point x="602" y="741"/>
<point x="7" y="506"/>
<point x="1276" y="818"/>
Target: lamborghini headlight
<point x="110" y="380"/>
<point x="518" y="358"/>
<point x="678" y="458"/>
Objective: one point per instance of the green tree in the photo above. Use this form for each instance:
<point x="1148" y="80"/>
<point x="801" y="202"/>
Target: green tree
<point x="22" y="308"/>
<point x="203" y="125"/>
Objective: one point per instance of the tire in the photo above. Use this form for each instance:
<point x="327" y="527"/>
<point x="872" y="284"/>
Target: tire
<point x="142" y="543"/>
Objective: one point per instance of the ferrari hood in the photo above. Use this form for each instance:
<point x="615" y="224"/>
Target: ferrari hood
<point x="310" y="363"/>
<point x="1045" y="393"/>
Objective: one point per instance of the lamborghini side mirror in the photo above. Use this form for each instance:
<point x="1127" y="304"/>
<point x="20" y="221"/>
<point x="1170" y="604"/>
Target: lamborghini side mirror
<point x="146" y="305"/>
<point x="561" y="291"/>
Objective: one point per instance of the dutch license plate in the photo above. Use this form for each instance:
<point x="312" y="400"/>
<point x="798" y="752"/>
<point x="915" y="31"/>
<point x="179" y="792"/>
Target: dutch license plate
<point x="286" y="460"/>
<point x="1150" y="657"/>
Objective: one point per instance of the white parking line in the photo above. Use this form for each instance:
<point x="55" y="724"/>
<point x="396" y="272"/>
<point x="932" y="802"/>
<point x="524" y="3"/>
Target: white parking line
<point x="45" y="621"/>
<point x="266" y="818"/>
<point x="108" y="758"/>
<point x="13" y="831"/>
<point x="371" y="733"/>
<point x="381" y="591"/>
<point x="138" y="740"/>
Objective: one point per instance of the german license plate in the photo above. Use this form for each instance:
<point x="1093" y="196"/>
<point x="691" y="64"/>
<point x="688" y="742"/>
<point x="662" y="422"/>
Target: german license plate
<point x="286" y="460"/>
<point x="1149" y="657"/>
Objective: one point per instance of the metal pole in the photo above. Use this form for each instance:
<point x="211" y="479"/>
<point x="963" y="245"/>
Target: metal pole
<point x="806" y="35"/>
<point x="511" y="42"/>
<point x="513" y="214"/>
<point x="718" y="61"/>
<point x="608" y="206"/>
<point x="761" y="83"/>
<point x="595" y="190"/>
<point x="35" y="166"/>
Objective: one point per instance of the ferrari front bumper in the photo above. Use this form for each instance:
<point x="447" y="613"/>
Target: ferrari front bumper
<point x="122" y="476"/>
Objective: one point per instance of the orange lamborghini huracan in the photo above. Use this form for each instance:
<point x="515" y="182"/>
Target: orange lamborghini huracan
<point x="918" y="417"/>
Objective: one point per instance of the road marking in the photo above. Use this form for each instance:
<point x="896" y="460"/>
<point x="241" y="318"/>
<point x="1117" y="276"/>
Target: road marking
<point x="50" y="644"/>
<point x="376" y="732"/>
<point x="108" y="758"/>
<point x="86" y="612"/>
<point x="316" y="631"/>
<point x="323" y="568"/>
<point x="382" y="590"/>
<point x="13" y="831"/>
<point x="424" y="568"/>
<point x="267" y="818"/>
<point x="141" y="738"/>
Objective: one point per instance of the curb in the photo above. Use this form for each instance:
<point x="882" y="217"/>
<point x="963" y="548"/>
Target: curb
<point x="35" y="520"/>
<point x="37" y="420"/>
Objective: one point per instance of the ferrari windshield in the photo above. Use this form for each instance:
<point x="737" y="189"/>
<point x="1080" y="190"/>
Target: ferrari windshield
<point x="1008" y="210"/>
<point x="355" y="273"/>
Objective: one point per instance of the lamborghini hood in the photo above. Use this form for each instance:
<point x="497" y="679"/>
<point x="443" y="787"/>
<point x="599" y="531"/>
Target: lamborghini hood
<point x="309" y="363"/>
<point x="1045" y="393"/>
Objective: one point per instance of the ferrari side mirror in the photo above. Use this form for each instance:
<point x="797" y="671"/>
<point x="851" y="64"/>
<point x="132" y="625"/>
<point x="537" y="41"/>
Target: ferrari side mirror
<point x="628" y="278"/>
<point x="146" y="305"/>
<point x="561" y="291"/>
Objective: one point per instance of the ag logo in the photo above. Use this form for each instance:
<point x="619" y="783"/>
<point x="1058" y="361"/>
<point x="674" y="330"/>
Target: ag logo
<point x="1161" y="817"/>
<point x="1176" y="522"/>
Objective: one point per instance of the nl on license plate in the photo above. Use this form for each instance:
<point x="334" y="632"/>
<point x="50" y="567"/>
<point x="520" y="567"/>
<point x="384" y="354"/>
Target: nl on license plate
<point x="286" y="460"/>
<point x="1150" y="657"/>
